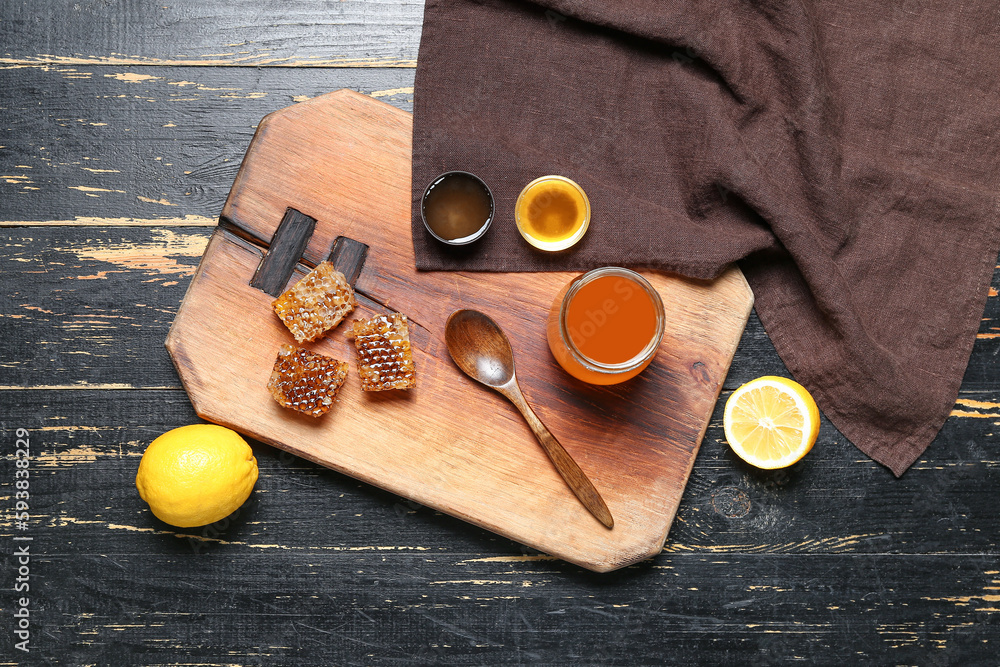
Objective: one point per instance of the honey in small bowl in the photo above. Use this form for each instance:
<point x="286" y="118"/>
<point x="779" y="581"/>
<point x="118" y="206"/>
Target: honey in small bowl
<point x="457" y="208"/>
<point x="552" y="213"/>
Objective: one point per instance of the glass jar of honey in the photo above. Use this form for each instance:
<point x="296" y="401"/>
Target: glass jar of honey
<point x="552" y="213"/>
<point x="606" y="325"/>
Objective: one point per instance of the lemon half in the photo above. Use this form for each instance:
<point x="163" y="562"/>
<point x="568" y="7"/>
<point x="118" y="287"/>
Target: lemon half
<point x="196" y="475"/>
<point x="771" y="422"/>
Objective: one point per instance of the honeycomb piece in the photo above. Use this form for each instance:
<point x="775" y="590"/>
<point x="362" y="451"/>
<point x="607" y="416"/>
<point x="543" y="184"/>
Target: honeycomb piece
<point x="316" y="303"/>
<point x="306" y="381"/>
<point x="385" y="359"/>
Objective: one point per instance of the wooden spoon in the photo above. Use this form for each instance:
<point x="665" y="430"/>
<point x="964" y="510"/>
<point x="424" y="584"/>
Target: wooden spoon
<point x="481" y="349"/>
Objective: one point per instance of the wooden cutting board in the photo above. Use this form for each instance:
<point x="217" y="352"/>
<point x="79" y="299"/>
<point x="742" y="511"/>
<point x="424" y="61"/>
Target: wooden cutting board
<point x="450" y="444"/>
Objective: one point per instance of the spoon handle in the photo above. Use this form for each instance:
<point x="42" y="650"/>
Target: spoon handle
<point x="575" y="478"/>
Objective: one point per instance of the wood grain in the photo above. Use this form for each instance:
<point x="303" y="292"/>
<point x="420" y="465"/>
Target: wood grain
<point x="69" y="277"/>
<point x="294" y="33"/>
<point x="156" y="144"/>
<point x="636" y="441"/>
<point x="85" y="437"/>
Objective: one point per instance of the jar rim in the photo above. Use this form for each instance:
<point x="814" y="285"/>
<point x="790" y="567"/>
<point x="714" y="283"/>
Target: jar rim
<point x="639" y="359"/>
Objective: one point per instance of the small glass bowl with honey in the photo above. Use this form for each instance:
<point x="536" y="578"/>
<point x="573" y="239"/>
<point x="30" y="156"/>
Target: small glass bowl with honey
<point x="552" y="213"/>
<point x="457" y="208"/>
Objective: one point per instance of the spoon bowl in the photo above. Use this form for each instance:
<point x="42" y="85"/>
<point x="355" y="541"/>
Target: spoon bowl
<point x="480" y="348"/>
<point x="482" y="351"/>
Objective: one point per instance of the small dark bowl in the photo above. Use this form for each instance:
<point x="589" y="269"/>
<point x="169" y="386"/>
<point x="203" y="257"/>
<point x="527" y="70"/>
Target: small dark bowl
<point x="463" y="240"/>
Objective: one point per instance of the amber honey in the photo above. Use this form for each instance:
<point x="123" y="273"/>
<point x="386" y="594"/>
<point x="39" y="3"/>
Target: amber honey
<point x="552" y="213"/>
<point x="385" y="356"/>
<point x="457" y="208"/>
<point x="606" y="325"/>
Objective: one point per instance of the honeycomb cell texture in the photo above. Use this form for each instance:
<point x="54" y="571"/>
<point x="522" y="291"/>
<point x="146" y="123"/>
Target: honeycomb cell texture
<point x="385" y="359"/>
<point x="306" y="381"/>
<point x="316" y="303"/>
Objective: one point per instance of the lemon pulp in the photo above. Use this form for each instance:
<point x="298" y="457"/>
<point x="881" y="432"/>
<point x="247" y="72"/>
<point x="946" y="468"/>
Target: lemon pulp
<point x="771" y="422"/>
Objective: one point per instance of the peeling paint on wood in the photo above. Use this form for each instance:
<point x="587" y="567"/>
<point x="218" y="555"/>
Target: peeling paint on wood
<point x="184" y="221"/>
<point x="48" y="60"/>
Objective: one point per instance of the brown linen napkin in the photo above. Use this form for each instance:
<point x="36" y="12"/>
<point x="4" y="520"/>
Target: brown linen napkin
<point x="844" y="153"/>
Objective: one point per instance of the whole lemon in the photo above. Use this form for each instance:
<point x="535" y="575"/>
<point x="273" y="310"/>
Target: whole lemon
<point x="196" y="475"/>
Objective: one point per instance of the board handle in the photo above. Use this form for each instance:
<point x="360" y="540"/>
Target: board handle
<point x="283" y="253"/>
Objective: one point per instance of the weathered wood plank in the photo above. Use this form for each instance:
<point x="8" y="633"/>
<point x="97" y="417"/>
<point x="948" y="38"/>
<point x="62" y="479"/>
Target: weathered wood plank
<point x="834" y="502"/>
<point x="822" y="568"/>
<point x="109" y="313"/>
<point x="86" y="144"/>
<point x="295" y="33"/>
<point x="397" y="609"/>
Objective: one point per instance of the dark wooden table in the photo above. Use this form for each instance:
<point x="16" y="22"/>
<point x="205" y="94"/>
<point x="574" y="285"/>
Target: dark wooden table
<point x="123" y="125"/>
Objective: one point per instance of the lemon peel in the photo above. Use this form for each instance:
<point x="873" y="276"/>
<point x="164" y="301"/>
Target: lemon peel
<point x="196" y="475"/>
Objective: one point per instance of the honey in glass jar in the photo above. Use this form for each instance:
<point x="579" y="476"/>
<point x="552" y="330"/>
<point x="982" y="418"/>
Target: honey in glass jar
<point x="605" y="326"/>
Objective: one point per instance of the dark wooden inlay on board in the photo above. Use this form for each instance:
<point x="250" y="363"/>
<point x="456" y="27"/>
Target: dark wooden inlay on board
<point x="348" y="257"/>
<point x="284" y="252"/>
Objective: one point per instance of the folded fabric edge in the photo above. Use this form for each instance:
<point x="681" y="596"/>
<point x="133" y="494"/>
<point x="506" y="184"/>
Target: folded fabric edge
<point x="899" y="454"/>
